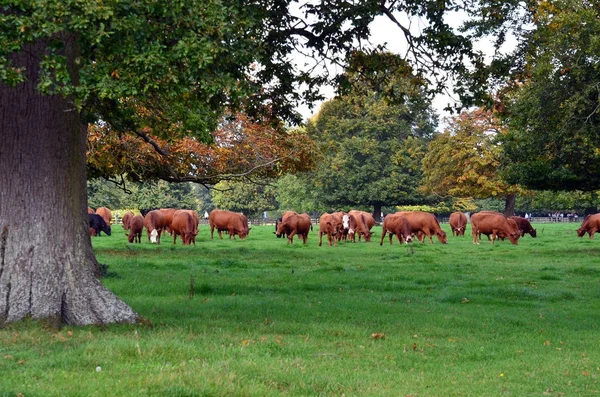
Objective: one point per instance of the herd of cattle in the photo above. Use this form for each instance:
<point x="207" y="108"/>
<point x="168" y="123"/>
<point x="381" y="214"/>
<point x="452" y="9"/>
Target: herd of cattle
<point x="176" y="222"/>
<point x="338" y="226"/>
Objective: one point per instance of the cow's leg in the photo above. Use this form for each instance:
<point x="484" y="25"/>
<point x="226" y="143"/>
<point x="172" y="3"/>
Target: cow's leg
<point x="494" y="235"/>
<point x="320" y="238"/>
<point x="212" y="230"/>
<point x="291" y="237"/>
<point x="382" y="236"/>
<point x="591" y="232"/>
<point x="398" y="236"/>
<point x="475" y="235"/>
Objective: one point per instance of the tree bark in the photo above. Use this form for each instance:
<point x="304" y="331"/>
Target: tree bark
<point x="509" y="205"/>
<point x="377" y="212"/>
<point x="46" y="257"/>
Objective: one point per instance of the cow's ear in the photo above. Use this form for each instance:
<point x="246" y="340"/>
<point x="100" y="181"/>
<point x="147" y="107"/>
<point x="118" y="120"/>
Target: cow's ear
<point x="249" y="228"/>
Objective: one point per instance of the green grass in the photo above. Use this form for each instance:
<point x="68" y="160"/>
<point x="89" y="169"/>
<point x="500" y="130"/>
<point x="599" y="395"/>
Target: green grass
<point x="261" y="318"/>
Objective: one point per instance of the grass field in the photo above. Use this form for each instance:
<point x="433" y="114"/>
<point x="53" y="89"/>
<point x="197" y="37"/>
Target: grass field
<point x="261" y="318"/>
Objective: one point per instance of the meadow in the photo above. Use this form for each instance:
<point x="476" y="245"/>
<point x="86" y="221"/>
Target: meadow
<point x="263" y="318"/>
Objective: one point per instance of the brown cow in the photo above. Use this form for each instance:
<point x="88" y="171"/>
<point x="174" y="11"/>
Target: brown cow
<point x="329" y="225"/>
<point x="361" y="223"/>
<point x="155" y="223"/>
<point x="342" y="217"/>
<point x="425" y="224"/>
<point x="232" y="222"/>
<point x="105" y="214"/>
<point x="398" y="225"/>
<point x="168" y="213"/>
<point x="524" y="226"/>
<point x="590" y="225"/>
<point x="458" y="223"/>
<point x="281" y="219"/>
<point x="91" y="210"/>
<point x="292" y="224"/>
<point x="135" y="226"/>
<point x="127" y="219"/>
<point x="184" y="225"/>
<point x="496" y="224"/>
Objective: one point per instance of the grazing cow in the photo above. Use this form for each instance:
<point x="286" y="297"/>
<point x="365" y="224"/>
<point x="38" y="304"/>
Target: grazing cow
<point x="184" y="225"/>
<point x="232" y="222"/>
<point x="329" y="225"/>
<point x="168" y="213"/>
<point x="590" y="225"/>
<point x="494" y="224"/>
<point x="458" y="223"/>
<point x="98" y="224"/>
<point x="292" y="224"/>
<point x="155" y="223"/>
<point x="398" y="225"/>
<point x="524" y="226"/>
<point x="425" y="224"/>
<point x="136" y="226"/>
<point x="105" y="214"/>
<point x="360" y="222"/>
<point x="127" y="219"/>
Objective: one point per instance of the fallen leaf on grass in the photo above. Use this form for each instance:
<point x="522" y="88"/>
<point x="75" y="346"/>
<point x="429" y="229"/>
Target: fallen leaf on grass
<point x="378" y="335"/>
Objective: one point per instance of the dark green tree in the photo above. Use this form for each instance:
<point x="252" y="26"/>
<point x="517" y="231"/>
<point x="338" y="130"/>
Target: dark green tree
<point x="372" y="148"/>
<point x="551" y="104"/>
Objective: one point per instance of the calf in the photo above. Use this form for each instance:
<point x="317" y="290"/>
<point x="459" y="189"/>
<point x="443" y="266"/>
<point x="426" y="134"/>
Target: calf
<point x="329" y="225"/>
<point x="136" y="226"/>
<point x="398" y="225"/>
<point x="98" y="224"/>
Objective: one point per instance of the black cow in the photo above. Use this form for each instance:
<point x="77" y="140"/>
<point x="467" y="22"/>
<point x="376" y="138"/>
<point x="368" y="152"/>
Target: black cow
<point x="98" y="224"/>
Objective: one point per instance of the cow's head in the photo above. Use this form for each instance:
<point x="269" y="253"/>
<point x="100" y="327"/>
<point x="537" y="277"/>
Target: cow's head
<point x="367" y="235"/>
<point x="280" y="229"/>
<point x="581" y="232"/>
<point x="277" y="224"/>
<point x="346" y="221"/>
<point x="244" y="233"/>
<point x="154" y="236"/>
<point x="533" y="233"/>
<point x="105" y="228"/>
<point x="441" y="235"/>
<point x="513" y="237"/>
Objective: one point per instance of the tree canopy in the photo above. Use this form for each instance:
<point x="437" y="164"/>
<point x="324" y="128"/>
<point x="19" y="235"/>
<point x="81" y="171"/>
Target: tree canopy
<point x="552" y="112"/>
<point x="371" y="148"/>
<point x="463" y="161"/>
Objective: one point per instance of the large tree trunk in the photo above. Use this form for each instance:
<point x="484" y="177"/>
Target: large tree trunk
<point x="509" y="205"/>
<point x="46" y="258"/>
